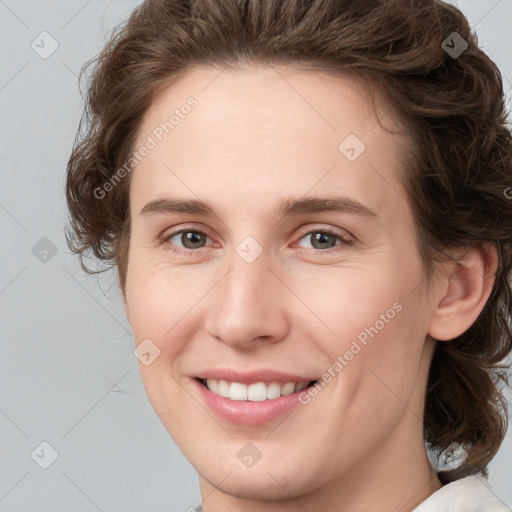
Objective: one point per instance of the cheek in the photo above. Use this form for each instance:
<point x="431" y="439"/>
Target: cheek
<point x="356" y="303"/>
<point x="159" y="298"/>
<point x="382" y="366"/>
<point x="376" y="333"/>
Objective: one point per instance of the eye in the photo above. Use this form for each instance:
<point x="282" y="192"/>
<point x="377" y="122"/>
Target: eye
<point x="190" y="240"/>
<point x="324" y="240"/>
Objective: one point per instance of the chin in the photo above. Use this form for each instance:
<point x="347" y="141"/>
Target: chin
<point x="274" y="477"/>
<point x="253" y="484"/>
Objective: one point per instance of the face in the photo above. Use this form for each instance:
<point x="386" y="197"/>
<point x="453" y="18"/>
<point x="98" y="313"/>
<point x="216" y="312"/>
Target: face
<point x="272" y="246"/>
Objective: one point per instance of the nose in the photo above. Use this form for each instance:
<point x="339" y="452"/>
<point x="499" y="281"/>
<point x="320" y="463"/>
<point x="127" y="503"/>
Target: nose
<point x="249" y="305"/>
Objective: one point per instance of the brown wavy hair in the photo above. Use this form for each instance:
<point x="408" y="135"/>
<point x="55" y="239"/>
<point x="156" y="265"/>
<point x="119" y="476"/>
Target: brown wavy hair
<point x="457" y="173"/>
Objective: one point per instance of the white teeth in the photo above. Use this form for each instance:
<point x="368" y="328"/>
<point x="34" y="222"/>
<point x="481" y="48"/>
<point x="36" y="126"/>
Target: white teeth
<point x="273" y="390"/>
<point x="300" y="386"/>
<point x="257" y="392"/>
<point x="214" y="386"/>
<point x="288" y="389"/>
<point x="223" y="388"/>
<point x="237" y="391"/>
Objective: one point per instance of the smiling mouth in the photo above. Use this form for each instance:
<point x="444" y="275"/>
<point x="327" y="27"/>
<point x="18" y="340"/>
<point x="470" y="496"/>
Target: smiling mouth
<point x="256" y="392"/>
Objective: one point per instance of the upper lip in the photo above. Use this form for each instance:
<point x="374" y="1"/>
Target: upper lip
<point x="250" y="377"/>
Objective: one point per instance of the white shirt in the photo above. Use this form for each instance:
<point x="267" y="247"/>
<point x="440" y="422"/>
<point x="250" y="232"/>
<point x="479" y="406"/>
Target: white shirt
<point x="470" y="494"/>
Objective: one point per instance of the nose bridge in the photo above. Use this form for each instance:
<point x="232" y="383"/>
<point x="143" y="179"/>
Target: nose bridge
<point x="242" y="287"/>
<point x="246" y="286"/>
<point x="246" y="303"/>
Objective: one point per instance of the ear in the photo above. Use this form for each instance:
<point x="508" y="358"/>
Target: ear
<point x="465" y="288"/>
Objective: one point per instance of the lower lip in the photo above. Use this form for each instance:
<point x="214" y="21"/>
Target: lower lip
<point x="244" y="412"/>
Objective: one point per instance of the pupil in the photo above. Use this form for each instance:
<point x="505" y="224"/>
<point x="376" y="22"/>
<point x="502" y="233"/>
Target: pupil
<point x="191" y="237"/>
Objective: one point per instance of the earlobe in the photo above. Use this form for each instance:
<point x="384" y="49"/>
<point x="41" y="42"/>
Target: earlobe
<point x="465" y="290"/>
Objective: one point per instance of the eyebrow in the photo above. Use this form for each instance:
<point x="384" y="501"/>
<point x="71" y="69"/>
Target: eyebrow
<point x="291" y="206"/>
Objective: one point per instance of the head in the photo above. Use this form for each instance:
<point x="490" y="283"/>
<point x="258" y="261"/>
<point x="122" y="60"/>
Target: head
<point x="234" y="137"/>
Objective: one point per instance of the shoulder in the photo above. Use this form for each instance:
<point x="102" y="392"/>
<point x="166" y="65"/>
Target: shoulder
<point x="470" y="494"/>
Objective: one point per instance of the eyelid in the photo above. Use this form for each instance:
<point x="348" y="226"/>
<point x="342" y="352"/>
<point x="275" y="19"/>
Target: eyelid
<point x="302" y="230"/>
<point x="342" y="233"/>
<point x="201" y="228"/>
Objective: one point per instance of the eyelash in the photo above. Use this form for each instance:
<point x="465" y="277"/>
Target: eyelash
<point x="345" y="242"/>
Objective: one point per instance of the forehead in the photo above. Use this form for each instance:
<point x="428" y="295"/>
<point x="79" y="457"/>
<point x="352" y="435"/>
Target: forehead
<point x="266" y="132"/>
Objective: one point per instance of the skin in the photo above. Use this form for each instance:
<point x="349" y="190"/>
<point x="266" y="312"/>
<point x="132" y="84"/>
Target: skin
<point x="253" y="140"/>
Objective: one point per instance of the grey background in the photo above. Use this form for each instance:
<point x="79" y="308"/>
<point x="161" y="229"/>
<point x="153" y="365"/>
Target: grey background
<point x="66" y="345"/>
